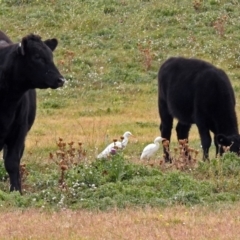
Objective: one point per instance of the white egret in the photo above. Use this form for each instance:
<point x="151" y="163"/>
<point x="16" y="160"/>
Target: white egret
<point x="114" y="146"/>
<point x="151" y="148"/>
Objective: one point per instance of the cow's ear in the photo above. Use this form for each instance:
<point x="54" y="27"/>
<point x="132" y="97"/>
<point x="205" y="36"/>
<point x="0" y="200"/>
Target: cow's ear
<point x="223" y="140"/>
<point x="22" y="46"/>
<point x="51" y="43"/>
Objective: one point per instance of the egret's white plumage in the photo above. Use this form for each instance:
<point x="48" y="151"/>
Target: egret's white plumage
<point x="151" y="148"/>
<point x="115" y="145"/>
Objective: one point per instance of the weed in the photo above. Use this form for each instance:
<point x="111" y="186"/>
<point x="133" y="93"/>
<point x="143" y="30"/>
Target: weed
<point x="67" y="156"/>
<point x="3" y="173"/>
<point x="67" y="61"/>
<point x="197" y="4"/>
<point x="23" y="174"/>
<point x="184" y="157"/>
<point x="147" y="55"/>
<point x="219" y="25"/>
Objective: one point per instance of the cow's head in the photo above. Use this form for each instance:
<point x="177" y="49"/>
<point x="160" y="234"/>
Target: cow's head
<point x="229" y="141"/>
<point x="37" y="62"/>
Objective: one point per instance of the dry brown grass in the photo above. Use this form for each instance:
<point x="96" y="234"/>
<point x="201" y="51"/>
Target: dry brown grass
<point x="170" y="223"/>
<point x="92" y="131"/>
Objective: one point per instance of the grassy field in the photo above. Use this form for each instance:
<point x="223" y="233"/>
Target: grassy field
<point x="177" y="222"/>
<point x="110" y="52"/>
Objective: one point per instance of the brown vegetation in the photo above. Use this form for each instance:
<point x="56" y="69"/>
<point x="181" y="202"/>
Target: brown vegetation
<point x="169" y="223"/>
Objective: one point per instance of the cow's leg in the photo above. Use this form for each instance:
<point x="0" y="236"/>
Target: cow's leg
<point x="12" y="159"/>
<point x="165" y="126"/>
<point x="182" y="130"/>
<point x="205" y="139"/>
<point x="219" y="149"/>
<point x="4" y="151"/>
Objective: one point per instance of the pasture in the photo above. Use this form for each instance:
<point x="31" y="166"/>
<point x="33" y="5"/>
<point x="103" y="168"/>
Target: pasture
<point x="110" y="52"/>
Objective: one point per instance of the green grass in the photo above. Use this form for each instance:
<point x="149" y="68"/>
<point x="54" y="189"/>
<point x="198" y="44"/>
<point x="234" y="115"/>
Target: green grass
<point x="116" y="182"/>
<point x="110" y="52"/>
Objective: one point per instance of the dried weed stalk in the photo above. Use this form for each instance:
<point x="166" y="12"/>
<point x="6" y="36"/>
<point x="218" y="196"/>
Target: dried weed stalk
<point x="66" y="62"/>
<point x="184" y="157"/>
<point x="197" y="4"/>
<point x="219" y="25"/>
<point x="23" y="175"/>
<point x="147" y="55"/>
<point x="66" y="157"/>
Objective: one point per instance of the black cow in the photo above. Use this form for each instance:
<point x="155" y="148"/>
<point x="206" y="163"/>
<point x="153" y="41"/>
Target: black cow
<point x="195" y="91"/>
<point x="24" y="66"/>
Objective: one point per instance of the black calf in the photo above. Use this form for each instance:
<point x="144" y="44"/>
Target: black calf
<point x="24" y="66"/>
<point x="194" y="91"/>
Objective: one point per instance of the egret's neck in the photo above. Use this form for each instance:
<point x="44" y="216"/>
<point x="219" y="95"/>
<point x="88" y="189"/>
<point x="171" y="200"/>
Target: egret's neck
<point x="125" y="141"/>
